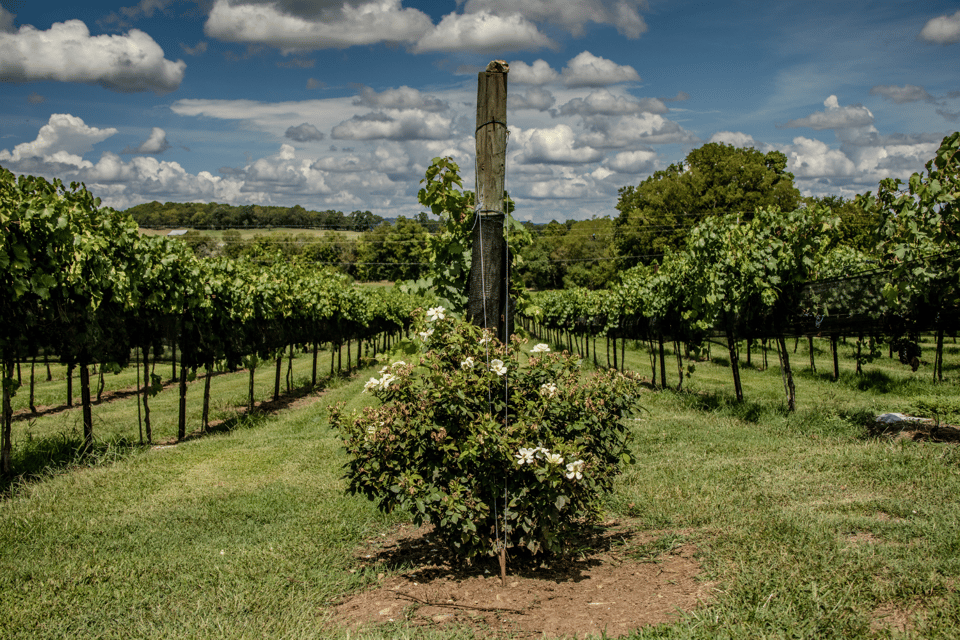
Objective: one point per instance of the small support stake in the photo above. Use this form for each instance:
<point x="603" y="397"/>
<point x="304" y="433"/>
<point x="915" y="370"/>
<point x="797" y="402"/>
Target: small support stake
<point x="503" y="565"/>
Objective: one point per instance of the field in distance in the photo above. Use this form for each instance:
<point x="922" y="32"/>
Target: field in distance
<point x="247" y="234"/>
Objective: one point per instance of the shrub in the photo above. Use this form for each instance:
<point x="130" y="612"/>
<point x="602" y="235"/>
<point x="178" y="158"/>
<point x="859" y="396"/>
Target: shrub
<point x="474" y="423"/>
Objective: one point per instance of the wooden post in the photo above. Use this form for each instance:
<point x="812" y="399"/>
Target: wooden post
<point x="250" y="388"/>
<point x="836" y="359"/>
<point x="85" y="402"/>
<point x="182" y="408"/>
<point x="206" y="398"/>
<point x="486" y="305"/>
<point x="276" y="381"/>
<point x="663" y="365"/>
<point x="139" y="390"/>
<point x="147" y="382"/>
<point x="33" y="365"/>
<point x="6" y="446"/>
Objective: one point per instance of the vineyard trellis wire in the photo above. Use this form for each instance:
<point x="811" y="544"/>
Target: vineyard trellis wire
<point x="79" y="281"/>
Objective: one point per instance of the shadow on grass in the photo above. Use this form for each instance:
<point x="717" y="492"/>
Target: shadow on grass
<point x="723" y="404"/>
<point x="871" y="380"/>
<point x="243" y="419"/>
<point x="34" y="459"/>
<point x="105" y="398"/>
<point x="422" y="554"/>
<point x="38" y="458"/>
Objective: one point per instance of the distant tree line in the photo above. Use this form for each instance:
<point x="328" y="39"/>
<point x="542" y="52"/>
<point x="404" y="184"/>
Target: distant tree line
<point x="390" y="251"/>
<point x="654" y="219"/>
<point x="212" y="215"/>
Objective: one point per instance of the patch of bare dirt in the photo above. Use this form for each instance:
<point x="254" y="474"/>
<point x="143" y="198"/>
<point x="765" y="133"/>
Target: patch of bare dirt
<point x="622" y="578"/>
<point x="892" y="617"/>
<point x="863" y="537"/>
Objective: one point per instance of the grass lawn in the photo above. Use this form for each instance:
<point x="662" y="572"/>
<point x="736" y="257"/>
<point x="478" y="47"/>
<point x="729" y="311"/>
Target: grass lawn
<point x="812" y="525"/>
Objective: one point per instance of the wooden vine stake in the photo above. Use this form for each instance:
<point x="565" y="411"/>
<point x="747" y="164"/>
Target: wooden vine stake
<point x="488" y="296"/>
<point x="488" y="269"/>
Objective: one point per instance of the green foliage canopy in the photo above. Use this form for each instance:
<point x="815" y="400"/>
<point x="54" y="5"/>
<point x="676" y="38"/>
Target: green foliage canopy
<point x="715" y="179"/>
<point x="920" y="232"/>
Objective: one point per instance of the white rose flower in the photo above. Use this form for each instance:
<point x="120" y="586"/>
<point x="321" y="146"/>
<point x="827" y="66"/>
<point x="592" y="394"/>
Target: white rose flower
<point x="435" y="313"/>
<point x="575" y="470"/>
<point x="554" y="458"/>
<point x="385" y="381"/>
<point x="498" y="367"/>
<point x="467" y="364"/>
<point x="487" y="337"/>
<point x="398" y="363"/>
<point x="372" y="384"/>
<point x="540" y="348"/>
<point x="525" y="456"/>
<point x="425" y="335"/>
<point x="548" y="390"/>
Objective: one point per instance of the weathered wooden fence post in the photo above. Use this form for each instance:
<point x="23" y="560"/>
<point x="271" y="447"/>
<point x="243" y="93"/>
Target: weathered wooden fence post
<point x="487" y="301"/>
<point x="488" y="295"/>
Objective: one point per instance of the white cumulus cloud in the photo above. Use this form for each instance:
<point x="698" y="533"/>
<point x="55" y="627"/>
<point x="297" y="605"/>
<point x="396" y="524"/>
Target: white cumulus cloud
<point x="283" y="173"/>
<point x="484" y="32"/>
<point x="305" y="132"/>
<point x="632" y="162"/>
<point x="737" y="139"/>
<point x="859" y="164"/>
<point x="570" y="15"/>
<point x="156" y="143"/>
<point x="65" y="138"/>
<point x="344" y="25"/>
<point x="901" y="95"/>
<point x="942" y="29"/>
<point x="556" y="145"/>
<point x="635" y="130"/>
<point x="376" y="180"/>
<point x="6" y="21"/>
<point x="408" y="125"/>
<point x="535" y="98"/>
<point x="835" y="117"/>
<point x="603" y="102"/>
<point x="538" y="73"/>
<point x="400" y="98"/>
<point x="68" y="53"/>
<point x="563" y="188"/>
<point x="588" y="70"/>
<point x="144" y="178"/>
<point x="808" y="158"/>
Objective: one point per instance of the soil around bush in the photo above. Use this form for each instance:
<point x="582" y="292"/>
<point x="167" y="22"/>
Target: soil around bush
<point x="619" y="578"/>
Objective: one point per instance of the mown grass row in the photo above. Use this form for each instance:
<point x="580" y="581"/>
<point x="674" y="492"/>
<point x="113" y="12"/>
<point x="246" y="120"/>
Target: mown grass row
<point x="811" y="523"/>
<point x="53" y="436"/>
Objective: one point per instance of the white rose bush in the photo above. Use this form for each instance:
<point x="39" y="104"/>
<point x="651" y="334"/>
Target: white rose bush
<point x="475" y="420"/>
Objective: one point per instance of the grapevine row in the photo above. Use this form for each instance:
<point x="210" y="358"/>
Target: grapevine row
<point x="78" y="280"/>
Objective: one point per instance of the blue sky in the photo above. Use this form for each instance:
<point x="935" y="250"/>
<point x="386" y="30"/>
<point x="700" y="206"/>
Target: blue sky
<point x="342" y="105"/>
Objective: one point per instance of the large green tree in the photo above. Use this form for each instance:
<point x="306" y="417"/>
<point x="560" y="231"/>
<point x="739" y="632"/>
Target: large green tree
<point x="715" y="179"/>
<point x="576" y="254"/>
<point x="540" y="269"/>
<point x="858" y="226"/>
<point x="393" y="251"/>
